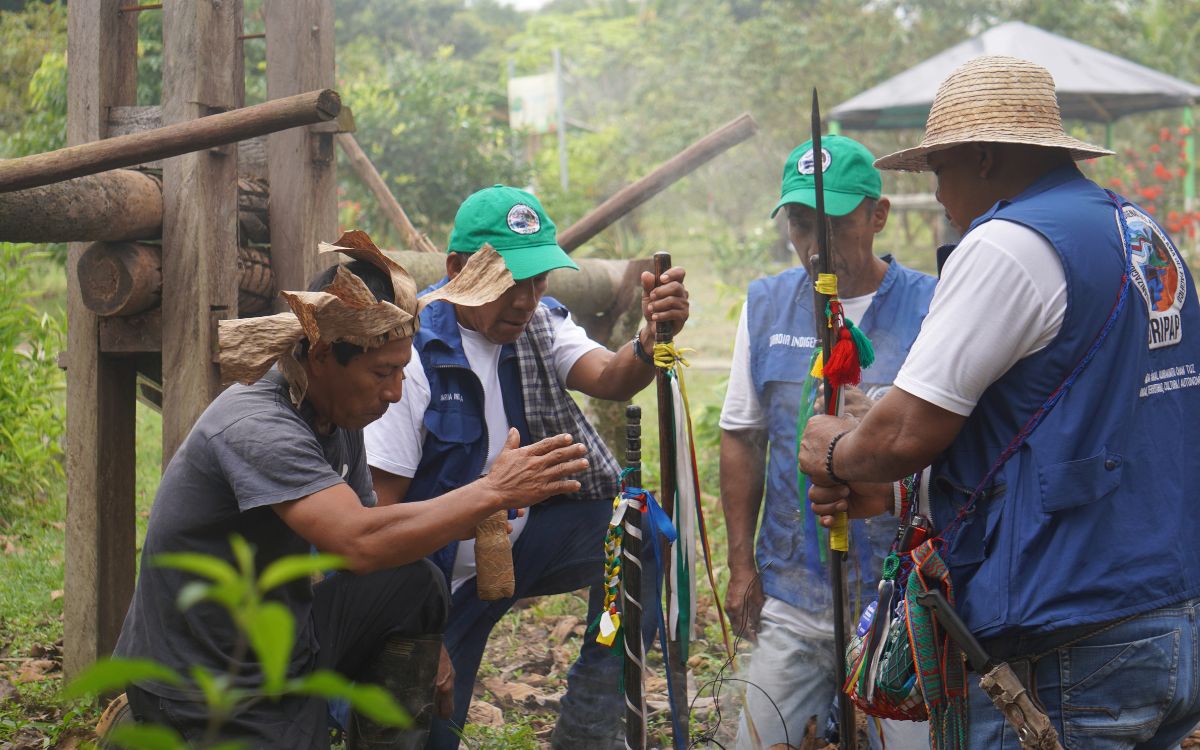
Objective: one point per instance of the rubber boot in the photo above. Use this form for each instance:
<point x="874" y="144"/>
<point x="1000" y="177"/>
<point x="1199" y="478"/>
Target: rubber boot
<point x="406" y="667"/>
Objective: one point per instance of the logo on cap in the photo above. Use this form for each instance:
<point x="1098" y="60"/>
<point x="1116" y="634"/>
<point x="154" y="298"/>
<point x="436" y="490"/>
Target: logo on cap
<point x="523" y="220"/>
<point x="805" y="164"/>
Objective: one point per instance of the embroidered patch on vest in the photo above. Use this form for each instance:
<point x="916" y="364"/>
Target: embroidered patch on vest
<point x="523" y="220"/>
<point x="1158" y="276"/>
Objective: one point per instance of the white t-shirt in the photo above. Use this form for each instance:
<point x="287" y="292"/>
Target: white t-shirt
<point x="1002" y="296"/>
<point x="394" y="441"/>
<point x="742" y="410"/>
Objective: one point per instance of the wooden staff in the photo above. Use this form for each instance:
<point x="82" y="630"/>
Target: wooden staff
<point x="847" y="731"/>
<point x="631" y="589"/>
<point x="664" y="333"/>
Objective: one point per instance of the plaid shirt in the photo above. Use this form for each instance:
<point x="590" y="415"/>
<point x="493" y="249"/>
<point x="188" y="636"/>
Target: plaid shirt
<point x="550" y="410"/>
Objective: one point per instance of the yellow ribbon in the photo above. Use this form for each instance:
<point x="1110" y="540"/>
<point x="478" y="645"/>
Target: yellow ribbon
<point x="667" y="354"/>
<point x="827" y="284"/>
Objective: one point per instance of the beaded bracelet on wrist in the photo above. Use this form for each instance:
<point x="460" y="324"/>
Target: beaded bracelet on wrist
<point x="829" y="458"/>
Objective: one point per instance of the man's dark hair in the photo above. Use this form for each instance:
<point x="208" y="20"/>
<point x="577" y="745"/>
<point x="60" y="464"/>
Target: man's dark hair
<point x="376" y="280"/>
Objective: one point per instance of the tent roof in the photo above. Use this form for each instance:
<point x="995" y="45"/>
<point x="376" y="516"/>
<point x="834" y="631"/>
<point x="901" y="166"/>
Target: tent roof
<point x="1092" y="85"/>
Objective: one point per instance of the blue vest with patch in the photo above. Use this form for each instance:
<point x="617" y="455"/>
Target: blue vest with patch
<point x="781" y="326"/>
<point x="1093" y="518"/>
<point x="456" y="439"/>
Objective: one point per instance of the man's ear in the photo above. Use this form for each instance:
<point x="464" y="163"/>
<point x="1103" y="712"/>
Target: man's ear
<point x="319" y="354"/>
<point x="879" y="217"/>
<point x="454" y="264"/>
<point x="985" y="159"/>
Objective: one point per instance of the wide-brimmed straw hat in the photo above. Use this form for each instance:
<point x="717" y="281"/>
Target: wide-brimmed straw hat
<point x="992" y="99"/>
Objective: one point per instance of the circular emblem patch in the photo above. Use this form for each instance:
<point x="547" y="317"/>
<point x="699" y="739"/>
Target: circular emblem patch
<point x="523" y="220"/>
<point x="1157" y="273"/>
<point x="807" y="163"/>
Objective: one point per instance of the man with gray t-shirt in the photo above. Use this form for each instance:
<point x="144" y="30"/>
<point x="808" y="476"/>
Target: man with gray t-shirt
<point x="279" y="460"/>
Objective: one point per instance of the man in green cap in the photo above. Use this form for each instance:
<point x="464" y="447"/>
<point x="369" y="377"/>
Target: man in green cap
<point x="479" y="377"/>
<point x="779" y="594"/>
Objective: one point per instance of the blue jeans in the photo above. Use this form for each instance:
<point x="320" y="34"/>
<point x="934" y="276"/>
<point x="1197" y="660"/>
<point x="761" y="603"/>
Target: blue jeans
<point x="1134" y="686"/>
<point x="560" y="550"/>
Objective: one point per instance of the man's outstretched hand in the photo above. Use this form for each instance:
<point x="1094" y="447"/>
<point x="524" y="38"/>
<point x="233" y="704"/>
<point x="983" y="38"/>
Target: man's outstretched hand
<point x="524" y="476"/>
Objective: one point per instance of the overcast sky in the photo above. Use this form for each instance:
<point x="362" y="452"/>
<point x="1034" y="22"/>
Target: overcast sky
<point x="525" y="4"/>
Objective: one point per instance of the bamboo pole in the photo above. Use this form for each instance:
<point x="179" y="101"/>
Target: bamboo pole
<point x="362" y="166"/>
<point x="676" y="168"/>
<point x="170" y="140"/>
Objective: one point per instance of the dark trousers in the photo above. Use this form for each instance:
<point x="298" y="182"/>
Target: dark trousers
<point x="352" y="616"/>
<point x="561" y="550"/>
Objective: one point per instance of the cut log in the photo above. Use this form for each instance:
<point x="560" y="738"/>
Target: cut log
<point x="171" y="140"/>
<point x="125" y="278"/>
<point x="116" y="206"/>
<point x="679" y="166"/>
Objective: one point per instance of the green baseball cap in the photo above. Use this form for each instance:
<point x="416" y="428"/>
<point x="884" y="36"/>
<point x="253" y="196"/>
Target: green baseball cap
<point x="849" y="171"/>
<point x="515" y="224"/>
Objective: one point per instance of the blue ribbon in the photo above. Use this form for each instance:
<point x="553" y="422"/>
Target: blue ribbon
<point x="660" y="526"/>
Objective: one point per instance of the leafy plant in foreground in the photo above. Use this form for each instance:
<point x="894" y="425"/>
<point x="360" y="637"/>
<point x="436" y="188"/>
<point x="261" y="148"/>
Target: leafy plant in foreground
<point x="266" y="626"/>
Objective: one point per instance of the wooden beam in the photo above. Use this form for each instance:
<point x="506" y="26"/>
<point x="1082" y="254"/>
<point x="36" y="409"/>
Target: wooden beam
<point x="370" y="177"/>
<point x="201" y="75"/>
<point x="100" y="456"/>
<point x="300" y="163"/>
<point x="132" y="334"/>
<point x="676" y="168"/>
<point x="222" y="126"/>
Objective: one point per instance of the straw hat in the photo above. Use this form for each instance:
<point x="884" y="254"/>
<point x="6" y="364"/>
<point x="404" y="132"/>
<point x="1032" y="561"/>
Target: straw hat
<point x="992" y="99"/>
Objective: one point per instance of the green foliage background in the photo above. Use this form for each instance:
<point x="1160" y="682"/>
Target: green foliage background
<point x="427" y="80"/>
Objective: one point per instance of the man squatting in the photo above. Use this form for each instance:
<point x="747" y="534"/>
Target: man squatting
<point x="279" y="459"/>
<point x="479" y="372"/>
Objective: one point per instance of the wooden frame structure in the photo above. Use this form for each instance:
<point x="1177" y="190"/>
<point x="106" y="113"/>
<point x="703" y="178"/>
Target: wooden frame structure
<point x="202" y="75"/>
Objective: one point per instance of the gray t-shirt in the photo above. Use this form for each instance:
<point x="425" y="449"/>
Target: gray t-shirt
<point x="249" y="450"/>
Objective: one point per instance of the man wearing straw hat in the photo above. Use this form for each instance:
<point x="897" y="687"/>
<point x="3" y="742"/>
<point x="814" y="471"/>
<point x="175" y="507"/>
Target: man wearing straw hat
<point x="477" y="372"/>
<point x="1053" y="393"/>
<point x="778" y="594"/>
<point x="278" y="459"/>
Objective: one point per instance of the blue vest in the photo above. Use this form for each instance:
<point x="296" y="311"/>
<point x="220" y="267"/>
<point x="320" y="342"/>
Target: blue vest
<point x="1093" y="518"/>
<point x="456" y="439"/>
<point x="781" y="325"/>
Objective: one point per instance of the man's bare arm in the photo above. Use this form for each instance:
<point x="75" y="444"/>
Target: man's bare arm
<point x="743" y="475"/>
<point x="335" y="521"/>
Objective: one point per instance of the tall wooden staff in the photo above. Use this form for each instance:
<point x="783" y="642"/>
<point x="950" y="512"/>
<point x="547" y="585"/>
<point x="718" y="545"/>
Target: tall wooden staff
<point x="631" y="589"/>
<point x="838" y="535"/>
<point x="664" y="333"/>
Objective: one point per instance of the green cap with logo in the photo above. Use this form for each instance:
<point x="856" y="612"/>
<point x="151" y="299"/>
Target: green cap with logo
<point x="514" y="223"/>
<point x="849" y="171"/>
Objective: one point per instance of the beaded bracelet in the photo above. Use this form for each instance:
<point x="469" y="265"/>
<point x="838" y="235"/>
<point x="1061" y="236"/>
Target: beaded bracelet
<point x="829" y="458"/>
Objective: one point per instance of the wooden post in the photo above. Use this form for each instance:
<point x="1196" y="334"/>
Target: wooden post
<point x="371" y="178"/>
<point x="100" y="533"/>
<point x="300" y="162"/>
<point x="201" y="76"/>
